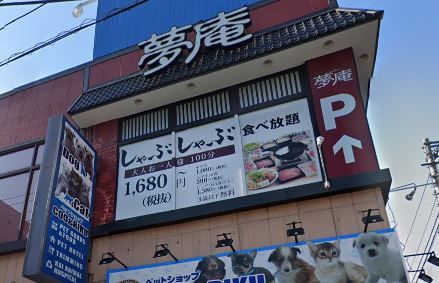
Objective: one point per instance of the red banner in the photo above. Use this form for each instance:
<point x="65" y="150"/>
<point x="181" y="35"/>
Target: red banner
<point x="341" y="119"/>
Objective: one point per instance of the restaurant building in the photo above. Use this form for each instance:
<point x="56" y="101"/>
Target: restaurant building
<point x="197" y="128"/>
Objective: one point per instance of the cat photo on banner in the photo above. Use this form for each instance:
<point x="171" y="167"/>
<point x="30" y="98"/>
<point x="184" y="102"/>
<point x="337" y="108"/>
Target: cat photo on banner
<point x="372" y="257"/>
<point x="329" y="266"/>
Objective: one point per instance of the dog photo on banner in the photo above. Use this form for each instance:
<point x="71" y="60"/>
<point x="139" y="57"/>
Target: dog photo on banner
<point x="367" y="257"/>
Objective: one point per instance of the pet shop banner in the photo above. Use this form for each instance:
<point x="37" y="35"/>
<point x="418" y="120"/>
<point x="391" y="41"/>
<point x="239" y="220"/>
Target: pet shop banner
<point x="146" y="178"/>
<point x="367" y="257"/>
<point x="279" y="147"/>
<point x="64" y="238"/>
<point x="209" y="164"/>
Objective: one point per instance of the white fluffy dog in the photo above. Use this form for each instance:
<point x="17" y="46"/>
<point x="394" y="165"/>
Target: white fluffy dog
<point x="379" y="260"/>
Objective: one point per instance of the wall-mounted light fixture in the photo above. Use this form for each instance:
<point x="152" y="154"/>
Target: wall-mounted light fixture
<point x="191" y="86"/>
<point x="410" y="195"/>
<point x="424" y="277"/>
<point x="363" y="57"/>
<point x="267" y="63"/>
<point x="320" y="141"/>
<point x="431" y="257"/>
<point x="109" y="258"/>
<point x="162" y="250"/>
<point x="138" y="101"/>
<point x="294" y="231"/>
<point x="223" y="240"/>
<point x="413" y="186"/>
<point x="368" y="217"/>
<point x="328" y="44"/>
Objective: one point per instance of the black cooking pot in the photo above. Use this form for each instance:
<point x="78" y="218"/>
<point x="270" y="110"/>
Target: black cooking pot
<point x="290" y="151"/>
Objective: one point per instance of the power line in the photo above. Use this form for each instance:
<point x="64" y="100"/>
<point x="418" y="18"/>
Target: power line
<point x="426" y="226"/>
<point x="431" y="156"/>
<point x="416" y="214"/>
<point x="434" y="231"/>
<point x="8" y="198"/>
<point x="39" y="2"/>
<point x="393" y="216"/>
<point x="85" y="24"/>
<point x="409" y="186"/>
<point x="20" y="17"/>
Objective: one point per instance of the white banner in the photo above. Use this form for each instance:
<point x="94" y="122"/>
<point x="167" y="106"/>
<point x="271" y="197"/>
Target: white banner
<point x="368" y="257"/>
<point x="269" y="149"/>
<point x="209" y="164"/>
<point x="279" y="147"/>
<point x="146" y="182"/>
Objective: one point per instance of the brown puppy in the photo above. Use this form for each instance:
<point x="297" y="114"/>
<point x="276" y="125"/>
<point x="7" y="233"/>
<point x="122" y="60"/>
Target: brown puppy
<point x="291" y="269"/>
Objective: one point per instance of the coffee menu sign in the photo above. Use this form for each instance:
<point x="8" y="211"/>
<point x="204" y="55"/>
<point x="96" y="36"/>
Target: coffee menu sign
<point x="367" y="257"/>
<point x="260" y="151"/>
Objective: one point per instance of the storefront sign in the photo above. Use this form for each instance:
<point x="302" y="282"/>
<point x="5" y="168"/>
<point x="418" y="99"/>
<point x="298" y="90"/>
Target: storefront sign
<point x="279" y="147"/>
<point x="209" y="164"/>
<point x="340" y="114"/>
<point x="227" y="29"/>
<point x="269" y="149"/>
<point x="371" y="257"/>
<point x="59" y="237"/>
<point x="146" y="178"/>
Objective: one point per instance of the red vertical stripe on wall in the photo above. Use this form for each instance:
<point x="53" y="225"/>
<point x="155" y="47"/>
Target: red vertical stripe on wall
<point x="105" y="142"/>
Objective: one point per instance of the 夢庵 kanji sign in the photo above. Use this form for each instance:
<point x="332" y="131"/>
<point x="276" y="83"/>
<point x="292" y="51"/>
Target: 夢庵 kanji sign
<point x="226" y="29"/>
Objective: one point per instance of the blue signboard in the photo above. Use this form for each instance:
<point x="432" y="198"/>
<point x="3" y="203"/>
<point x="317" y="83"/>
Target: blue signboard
<point x="154" y="16"/>
<point x="65" y="232"/>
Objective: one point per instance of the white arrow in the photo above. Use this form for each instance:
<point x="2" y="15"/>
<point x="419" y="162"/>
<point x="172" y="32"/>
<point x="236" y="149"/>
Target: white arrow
<point x="346" y="143"/>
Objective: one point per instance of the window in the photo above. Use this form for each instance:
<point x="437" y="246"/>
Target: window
<point x="246" y="97"/>
<point x="19" y="172"/>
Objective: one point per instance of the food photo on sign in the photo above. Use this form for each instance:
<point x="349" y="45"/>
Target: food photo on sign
<point x="279" y="147"/>
<point x="358" y="258"/>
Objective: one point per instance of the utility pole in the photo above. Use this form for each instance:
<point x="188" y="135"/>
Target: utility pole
<point x="431" y="149"/>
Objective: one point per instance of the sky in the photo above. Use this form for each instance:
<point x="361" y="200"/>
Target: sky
<point x="402" y="110"/>
<point x="41" y="25"/>
<point x="402" y="107"/>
